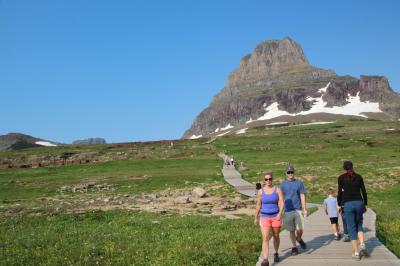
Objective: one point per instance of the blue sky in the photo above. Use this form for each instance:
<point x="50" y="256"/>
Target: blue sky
<point x="143" y="70"/>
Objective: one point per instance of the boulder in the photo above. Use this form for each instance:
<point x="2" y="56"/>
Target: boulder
<point x="199" y="192"/>
<point x="182" y="200"/>
<point x="232" y="217"/>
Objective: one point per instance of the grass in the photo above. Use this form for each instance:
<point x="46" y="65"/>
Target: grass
<point x="317" y="153"/>
<point x="127" y="238"/>
<point x="28" y="184"/>
<point x="121" y="237"/>
<point x="388" y="222"/>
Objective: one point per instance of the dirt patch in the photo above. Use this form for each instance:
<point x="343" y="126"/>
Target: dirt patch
<point x="310" y="178"/>
<point x="85" y="187"/>
<point x="314" y="147"/>
<point x="163" y="202"/>
<point x="144" y="177"/>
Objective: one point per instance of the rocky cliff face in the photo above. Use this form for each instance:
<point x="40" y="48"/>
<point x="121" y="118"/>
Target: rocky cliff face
<point x="278" y="71"/>
<point x="270" y="59"/>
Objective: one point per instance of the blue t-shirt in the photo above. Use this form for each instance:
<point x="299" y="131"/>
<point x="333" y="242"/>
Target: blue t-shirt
<point x="331" y="203"/>
<point x="291" y="194"/>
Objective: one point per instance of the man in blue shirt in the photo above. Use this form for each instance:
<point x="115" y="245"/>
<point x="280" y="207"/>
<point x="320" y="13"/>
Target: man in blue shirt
<point x="295" y="208"/>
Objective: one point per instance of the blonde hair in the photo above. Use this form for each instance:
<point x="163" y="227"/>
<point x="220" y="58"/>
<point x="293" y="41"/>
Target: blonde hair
<point x="268" y="173"/>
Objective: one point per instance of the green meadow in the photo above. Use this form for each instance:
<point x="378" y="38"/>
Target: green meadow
<point x="33" y="231"/>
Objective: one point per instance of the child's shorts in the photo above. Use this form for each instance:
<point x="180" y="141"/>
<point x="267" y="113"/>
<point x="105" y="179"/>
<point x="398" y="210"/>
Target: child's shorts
<point x="334" y="220"/>
<point x="270" y="222"/>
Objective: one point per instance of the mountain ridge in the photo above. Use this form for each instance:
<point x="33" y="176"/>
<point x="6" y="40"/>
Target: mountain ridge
<point x="15" y="141"/>
<point x="278" y="71"/>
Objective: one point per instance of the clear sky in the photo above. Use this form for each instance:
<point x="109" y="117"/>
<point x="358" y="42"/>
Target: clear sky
<point x="143" y="70"/>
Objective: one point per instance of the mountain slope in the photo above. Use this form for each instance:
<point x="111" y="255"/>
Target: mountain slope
<point x="278" y="73"/>
<point x="15" y="141"/>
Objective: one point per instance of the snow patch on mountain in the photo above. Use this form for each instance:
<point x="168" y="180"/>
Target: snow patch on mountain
<point x="277" y="124"/>
<point x="250" y="120"/>
<point x="195" y="136"/>
<point x="241" y="131"/>
<point x="45" y="143"/>
<point x="222" y="134"/>
<point x="227" y="127"/>
<point x="354" y="107"/>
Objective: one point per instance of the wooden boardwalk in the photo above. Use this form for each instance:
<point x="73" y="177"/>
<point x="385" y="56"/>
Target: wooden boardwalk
<point x="321" y="248"/>
<point x="234" y="178"/>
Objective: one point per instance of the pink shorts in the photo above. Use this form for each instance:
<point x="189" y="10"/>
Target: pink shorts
<point x="270" y="222"/>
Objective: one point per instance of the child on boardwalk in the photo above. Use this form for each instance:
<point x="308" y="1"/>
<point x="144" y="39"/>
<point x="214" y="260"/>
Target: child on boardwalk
<point x="331" y="209"/>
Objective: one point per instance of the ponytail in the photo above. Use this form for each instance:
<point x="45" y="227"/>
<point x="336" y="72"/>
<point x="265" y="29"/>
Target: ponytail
<point x="350" y="175"/>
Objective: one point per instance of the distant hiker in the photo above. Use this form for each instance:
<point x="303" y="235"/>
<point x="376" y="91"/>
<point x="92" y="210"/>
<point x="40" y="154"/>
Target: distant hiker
<point x="353" y="196"/>
<point x="268" y="215"/>
<point x="232" y="161"/>
<point x="294" y="195"/>
<point x="226" y="160"/>
<point x="331" y="209"/>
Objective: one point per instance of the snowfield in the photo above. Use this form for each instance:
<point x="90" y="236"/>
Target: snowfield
<point x="241" y="131"/>
<point x="354" y="107"/>
<point x="195" y="136"/>
<point x="45" y="143"/>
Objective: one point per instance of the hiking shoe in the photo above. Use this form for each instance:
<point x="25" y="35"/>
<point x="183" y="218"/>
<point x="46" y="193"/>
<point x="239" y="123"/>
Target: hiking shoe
<point x="276" y="257"/>
<point x="265" y="262"/>
<point x="302" y="244"/>
<point x="363" y="250"/>
<point x="356" y="257"/>
<point x="295" y="251"/>
<point x="346" y="238"/>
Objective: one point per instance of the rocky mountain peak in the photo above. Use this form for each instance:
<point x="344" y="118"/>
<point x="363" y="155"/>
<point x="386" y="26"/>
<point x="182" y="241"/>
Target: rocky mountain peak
<point x="269" y="59"/>
<point x="276" y="81"/>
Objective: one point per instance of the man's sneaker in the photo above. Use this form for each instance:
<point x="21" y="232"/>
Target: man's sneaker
<point x="276" y="257"/>
<point x="356" y="256"/>
<point x="265" y="262"/>
<point x="363" y="250"/>
<point x="336" y="237"/>
<point x="346" y="238"/>
<point x="302" y="244"/>
<point x="295" y="251"/>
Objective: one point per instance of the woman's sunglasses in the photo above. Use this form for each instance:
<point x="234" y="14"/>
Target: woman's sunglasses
<point x="268" y="179"/>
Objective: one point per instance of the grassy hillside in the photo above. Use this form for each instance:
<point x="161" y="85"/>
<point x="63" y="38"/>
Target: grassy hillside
<point x="32" y="218"/>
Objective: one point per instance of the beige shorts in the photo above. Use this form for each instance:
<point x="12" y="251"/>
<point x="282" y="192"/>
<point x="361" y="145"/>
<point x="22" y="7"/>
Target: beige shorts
<point x="293" y="220"/>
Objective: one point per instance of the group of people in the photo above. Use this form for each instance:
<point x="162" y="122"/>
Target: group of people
<point x="229" y="161"/>
<point x="287" y="205"/>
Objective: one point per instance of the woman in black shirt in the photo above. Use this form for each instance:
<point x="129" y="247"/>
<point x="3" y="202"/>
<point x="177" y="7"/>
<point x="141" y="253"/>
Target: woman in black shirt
<point x="353" y="197"/>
